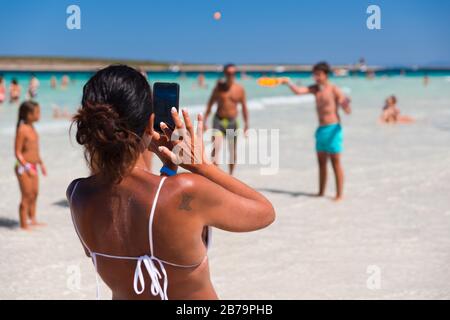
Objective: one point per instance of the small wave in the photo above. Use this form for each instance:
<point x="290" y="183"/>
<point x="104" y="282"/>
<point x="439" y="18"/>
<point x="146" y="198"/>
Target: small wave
<point x="445" y="126"/>
<point x="261" y="103"/>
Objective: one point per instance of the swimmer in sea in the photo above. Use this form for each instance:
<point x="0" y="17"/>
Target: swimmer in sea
<point x="201" y="81"/>
<point x="61" y="114"/>
<point x="15" y="90"/>
<point x="53" y="82"/>
<point x="426" y="80"/>
<point x="33" y="87"/>
<point x="65" y="81"/>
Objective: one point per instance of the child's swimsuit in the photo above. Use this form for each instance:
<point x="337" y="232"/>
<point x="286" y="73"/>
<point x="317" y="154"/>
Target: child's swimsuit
<point x="329" y="138"/>
<point x="27" y="167"/>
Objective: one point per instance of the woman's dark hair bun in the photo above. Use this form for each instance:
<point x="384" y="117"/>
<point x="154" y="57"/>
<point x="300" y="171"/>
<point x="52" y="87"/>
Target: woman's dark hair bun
<point x="115" y="111"/>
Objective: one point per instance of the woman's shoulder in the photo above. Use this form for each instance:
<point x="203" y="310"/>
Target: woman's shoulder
<point x="71" y="188"/>
<point x="182" y="185"/>
<point x="186" y="181"/>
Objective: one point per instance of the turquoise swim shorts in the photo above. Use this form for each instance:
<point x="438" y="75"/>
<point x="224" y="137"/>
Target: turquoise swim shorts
<point x="329" y="138"/>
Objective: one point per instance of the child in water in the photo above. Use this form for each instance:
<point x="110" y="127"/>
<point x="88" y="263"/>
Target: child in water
<point x="391" y="113"/>
<point x="28" y="159"/>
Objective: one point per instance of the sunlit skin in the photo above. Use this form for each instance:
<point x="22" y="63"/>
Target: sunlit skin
<point x="2" y="90"/>
<point x="27" y="151"/>
<point x="391" y="113"/>
<point x="65" y="81"/>
<point x="227" y="107"/>
<point x="328" y="100"/>
<point x="33" y="87"/>
<point x="53" y="82"/>
<point x="113" y="219"/>
<point x="15" y="91"/>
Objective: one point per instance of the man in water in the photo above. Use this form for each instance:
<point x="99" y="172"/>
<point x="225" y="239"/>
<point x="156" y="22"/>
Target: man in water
<point x="228" y="95"/>
<point x="201" y="83"/>
<point x="329" y="135"/>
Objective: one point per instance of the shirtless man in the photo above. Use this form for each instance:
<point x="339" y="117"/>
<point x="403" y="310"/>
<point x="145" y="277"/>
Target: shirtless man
<point x="65" y="81"/>
<point x="227" y="94"/>
<point x="27" y="155"/>
<point x="329" y="135"/>
<point x="53" y="82"/>
<point x="14" y="91"/>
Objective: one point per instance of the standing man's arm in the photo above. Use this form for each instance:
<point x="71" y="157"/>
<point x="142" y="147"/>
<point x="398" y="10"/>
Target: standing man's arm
<point x="211" y="101"/>
<point x="342" y="100"/>
<point x="245" y="111"/>
<point x="295" y="89"/>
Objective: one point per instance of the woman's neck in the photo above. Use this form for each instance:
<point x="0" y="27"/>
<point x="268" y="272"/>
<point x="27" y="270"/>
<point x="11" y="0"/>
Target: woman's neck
<point x="142" y="163"/>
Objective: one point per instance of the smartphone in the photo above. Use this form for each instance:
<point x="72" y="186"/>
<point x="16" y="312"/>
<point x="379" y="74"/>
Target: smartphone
<point x="165" y="96"/>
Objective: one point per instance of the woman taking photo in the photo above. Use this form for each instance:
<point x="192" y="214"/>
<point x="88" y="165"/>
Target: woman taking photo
<point x="148" y="235"/>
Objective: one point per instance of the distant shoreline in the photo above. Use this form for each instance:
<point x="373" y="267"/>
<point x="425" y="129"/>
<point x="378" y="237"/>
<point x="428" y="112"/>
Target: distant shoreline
<point x="60" y="64"/>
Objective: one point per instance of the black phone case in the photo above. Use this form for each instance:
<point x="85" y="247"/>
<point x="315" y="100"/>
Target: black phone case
<point x="167" y="119"/>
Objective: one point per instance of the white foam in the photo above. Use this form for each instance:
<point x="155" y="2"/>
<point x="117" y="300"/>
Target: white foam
<point x="261" y="103"/>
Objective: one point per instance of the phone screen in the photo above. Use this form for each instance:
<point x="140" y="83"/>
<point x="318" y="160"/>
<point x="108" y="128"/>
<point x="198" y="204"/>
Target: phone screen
<point x="165" y="97"/>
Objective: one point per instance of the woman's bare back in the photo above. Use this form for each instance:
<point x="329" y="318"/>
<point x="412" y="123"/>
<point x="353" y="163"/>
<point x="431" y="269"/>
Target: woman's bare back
<point x="114" y="220"/>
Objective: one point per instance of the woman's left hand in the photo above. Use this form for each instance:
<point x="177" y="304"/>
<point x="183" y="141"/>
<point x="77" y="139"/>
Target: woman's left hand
<point x="161" y="140"/>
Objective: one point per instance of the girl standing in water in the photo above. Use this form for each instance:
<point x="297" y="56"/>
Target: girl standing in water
<point x="28" y="160"/>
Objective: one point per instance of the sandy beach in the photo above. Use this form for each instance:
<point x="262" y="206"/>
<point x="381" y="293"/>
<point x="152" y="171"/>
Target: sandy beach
<point x="395" y="216"/>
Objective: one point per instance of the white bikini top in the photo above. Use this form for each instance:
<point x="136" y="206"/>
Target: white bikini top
<point x="149" y="261"/>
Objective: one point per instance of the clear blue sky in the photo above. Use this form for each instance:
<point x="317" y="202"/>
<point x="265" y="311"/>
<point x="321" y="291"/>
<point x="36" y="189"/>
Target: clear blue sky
<point x="414" y="32"/>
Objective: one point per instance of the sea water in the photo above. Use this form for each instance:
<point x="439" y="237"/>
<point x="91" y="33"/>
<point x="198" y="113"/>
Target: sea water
<point x="264" y="103"/>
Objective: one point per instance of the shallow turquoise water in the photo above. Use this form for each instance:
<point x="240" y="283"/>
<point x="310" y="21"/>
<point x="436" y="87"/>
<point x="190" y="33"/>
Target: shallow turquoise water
<point x="367" y="93"/>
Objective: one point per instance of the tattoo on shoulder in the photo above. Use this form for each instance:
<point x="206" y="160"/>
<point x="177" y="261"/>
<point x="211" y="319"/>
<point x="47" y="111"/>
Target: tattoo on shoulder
<point x="186" y="200"/>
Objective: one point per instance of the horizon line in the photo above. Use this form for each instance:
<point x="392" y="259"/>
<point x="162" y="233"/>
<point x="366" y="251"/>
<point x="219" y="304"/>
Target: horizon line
<point x="70" y="63"/>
